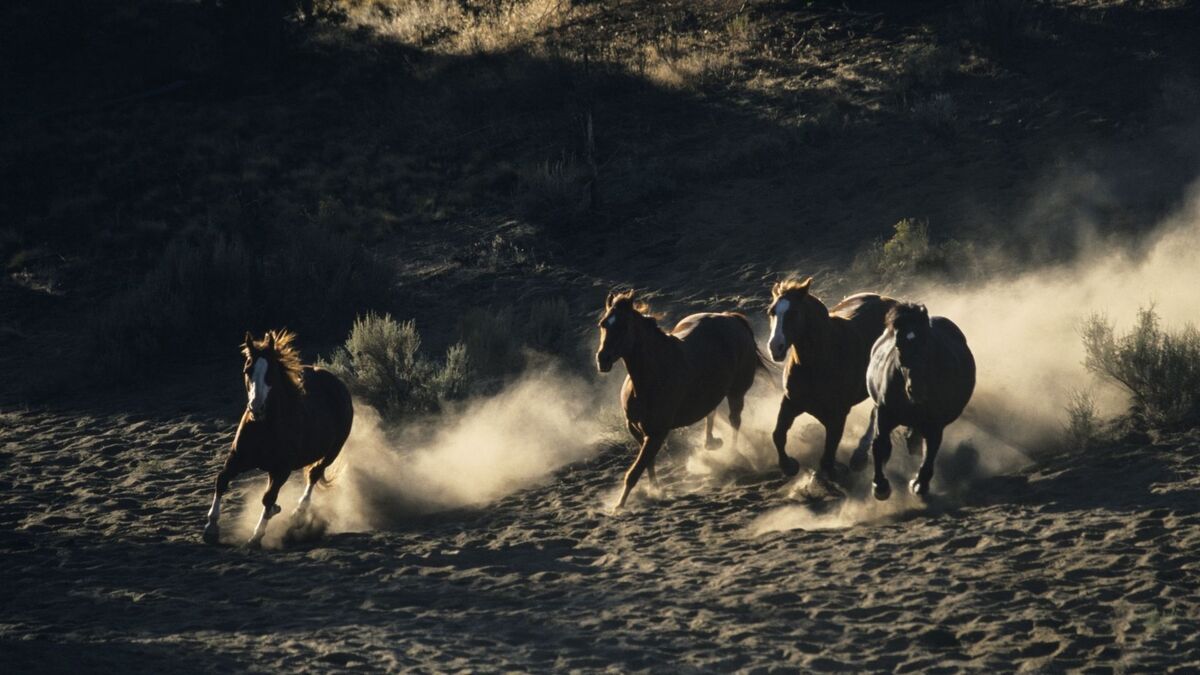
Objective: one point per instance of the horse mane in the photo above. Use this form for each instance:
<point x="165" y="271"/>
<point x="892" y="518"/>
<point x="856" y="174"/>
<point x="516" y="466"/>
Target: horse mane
<point x="906" y="311"/>
<point x="280" y="345"/>
<point x="627" y="298"/>
<point x="792" y="284"/>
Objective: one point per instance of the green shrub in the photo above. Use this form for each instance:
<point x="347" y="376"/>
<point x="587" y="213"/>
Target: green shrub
<point x="908" y="253"/>
<point x="1159" y="369"/>
<point x="381" y="362"/>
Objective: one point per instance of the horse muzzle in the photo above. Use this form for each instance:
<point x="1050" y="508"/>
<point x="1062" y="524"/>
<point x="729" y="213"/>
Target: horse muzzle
<point x="778" y="350"/>
<point x="256" y="414"/>
<point x="603" y="363"/>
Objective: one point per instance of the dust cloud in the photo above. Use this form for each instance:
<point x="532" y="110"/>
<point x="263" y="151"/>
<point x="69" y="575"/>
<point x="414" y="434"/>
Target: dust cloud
<point x="464" y="458"/>
<point x="1024" y="330"/>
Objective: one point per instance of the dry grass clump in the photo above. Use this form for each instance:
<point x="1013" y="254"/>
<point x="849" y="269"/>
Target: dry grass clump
<point x="461" y="26"/>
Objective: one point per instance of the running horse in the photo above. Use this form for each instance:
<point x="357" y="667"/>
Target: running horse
<point x="675" y="379"/>
<point x="296" y="416"/>
<point x="826" y="354"/>
<point x="921" y="376"/>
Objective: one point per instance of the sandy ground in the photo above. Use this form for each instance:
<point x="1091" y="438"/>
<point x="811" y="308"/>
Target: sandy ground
<point x="1084" y="563"/>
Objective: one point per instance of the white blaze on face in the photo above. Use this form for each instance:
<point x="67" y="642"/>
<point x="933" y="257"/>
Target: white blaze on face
<point x="777" y="340"/>
<point x="911" y="336"/>
<point x="257" y="396"/>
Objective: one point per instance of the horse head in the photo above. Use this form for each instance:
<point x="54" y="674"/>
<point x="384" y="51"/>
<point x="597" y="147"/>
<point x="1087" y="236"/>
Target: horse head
<point x="618" y="328"/>
<point x="911" y="330"/>
<point x="269" y="363"/>
<point x="789" y="312"/>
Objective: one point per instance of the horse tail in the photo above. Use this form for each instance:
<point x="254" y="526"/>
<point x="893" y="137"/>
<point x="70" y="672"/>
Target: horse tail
<point x="332" y="473"/>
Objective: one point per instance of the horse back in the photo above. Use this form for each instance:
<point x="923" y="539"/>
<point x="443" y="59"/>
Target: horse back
<point x="866" y="313"/>
<point x="327" y="401"/>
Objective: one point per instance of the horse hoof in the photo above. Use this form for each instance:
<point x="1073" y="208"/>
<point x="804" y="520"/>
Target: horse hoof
<point x="789" y="466"/>
<point x="254" y="542"/>
<point x="212" y="534"/>
<point x="918" y="488"/>
<point x="275" y="509"/>
<point x="882" y="490"/>
<point x="713" y="443"/>
<point x="836" y="473"/>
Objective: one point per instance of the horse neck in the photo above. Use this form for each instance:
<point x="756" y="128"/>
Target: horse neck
<point x="651" y="356"/>
<point x="284" y="399"/>
<point x="812" y="349"/>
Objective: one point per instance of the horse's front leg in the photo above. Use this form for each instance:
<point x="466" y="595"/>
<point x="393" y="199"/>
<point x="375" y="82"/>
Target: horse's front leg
<point x="646" y="455"/>
<point x="275" y="481"/>
<point x="835" y="426"/>
<point x="881" y="449"/>
<point x="933" y="441"/>
<point x="233" y="467"/>
<point x="788" y="411"/>
<point x="711" y="442"/>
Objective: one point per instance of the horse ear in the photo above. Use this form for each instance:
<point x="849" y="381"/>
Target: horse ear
<point x="248" y="343"/>
<point x="609" y="300"/>
<point x="776" y="288"/>
<point x="805" y="284"/>
<point x="270" y="340"/>
<point x="924" y="311"/>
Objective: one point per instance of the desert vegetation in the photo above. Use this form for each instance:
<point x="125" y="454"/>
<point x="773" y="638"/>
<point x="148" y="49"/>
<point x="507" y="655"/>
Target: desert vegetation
<point x="1159" y="368"/>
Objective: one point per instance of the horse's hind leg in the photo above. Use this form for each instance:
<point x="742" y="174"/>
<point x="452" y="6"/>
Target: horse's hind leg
<point x="858" y="461"/>
<point x="920" y="484"/>
<point x="275" y="481"/>
<point x="710" y="442"/>
<point x="913" y="439"/>
<point x="316" y="473"/>
<point x="736" y="404"/>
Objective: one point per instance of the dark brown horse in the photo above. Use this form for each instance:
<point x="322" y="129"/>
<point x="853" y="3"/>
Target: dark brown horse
<point x="921" y="376"/>
<point x="675" y="379"/>
<point x="296" y="416"/>
<point x="827" y="353"/>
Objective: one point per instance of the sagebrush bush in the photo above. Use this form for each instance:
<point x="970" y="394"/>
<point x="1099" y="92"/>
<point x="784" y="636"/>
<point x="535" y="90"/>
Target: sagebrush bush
<point x="494" y="340"/>
<point x="206" y="290"/>
<point x="549" y="327"/>
<point x="1160" y="369"/>
<point x="1082" y="428"/>
<point x="381" y="362"/>
<point x="908" y="253"/>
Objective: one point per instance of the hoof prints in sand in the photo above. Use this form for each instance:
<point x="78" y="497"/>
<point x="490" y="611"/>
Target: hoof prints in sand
<point x="100" y="518"/>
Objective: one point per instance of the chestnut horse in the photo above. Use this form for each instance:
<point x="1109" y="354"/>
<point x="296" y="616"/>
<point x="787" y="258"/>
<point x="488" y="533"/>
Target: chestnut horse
<point x="675" y="379"/>
<point x="827" y="353"/>
<point x="921" y="376"/>
<point x="296" y="416"/>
